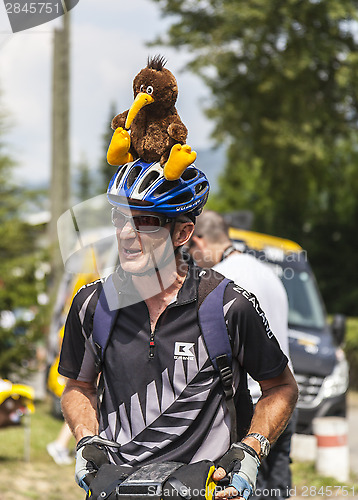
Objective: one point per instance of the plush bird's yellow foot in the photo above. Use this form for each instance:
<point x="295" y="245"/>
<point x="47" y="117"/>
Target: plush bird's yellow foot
<point x="117" y="153"/>
<point x="179" y="159"/>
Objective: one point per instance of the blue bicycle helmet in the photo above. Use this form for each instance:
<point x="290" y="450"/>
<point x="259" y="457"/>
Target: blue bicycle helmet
<point x="142" y="186"/>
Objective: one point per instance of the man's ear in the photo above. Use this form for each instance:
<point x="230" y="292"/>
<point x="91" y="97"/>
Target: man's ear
<point x="183" y="234"/>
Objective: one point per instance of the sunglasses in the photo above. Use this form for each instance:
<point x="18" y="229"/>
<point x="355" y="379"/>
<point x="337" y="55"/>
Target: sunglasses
<point x="140" y="223"/>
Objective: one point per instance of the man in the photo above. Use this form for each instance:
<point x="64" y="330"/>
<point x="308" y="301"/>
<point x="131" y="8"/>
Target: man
<point x="158" y="405"/>
<point x="211" y="246"/>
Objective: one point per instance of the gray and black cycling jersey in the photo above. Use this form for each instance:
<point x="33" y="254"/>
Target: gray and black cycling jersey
<point x="162" y="398"/>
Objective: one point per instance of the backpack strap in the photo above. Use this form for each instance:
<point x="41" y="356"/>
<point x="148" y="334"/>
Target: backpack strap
<point x="104" y="319"/>
<point x="212" y="323"/>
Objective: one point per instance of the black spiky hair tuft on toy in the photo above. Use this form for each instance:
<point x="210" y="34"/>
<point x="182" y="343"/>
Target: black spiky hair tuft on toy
<point x="157" y="62"/>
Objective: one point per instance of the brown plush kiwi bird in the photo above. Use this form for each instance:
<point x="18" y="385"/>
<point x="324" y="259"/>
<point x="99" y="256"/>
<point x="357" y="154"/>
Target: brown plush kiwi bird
<point x="156" y="130"/>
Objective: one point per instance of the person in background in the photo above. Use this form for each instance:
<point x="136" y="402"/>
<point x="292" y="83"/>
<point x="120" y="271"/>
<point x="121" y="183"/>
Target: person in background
<point x="210" y="246"/>
<point x="59" y="449"/>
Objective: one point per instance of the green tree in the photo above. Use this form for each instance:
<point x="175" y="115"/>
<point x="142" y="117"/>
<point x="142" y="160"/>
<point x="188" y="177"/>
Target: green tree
<point x="84" y="187"/>
<point x="18" y="264"/>
<point x="282" y="76"/>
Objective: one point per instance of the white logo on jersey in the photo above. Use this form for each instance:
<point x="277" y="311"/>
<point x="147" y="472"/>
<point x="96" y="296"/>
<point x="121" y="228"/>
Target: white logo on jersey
<point x="254" y="302"/>
<point x="182" y="350"/>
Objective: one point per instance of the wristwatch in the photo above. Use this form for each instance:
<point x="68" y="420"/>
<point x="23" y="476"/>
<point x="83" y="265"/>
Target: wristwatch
<point x="264" y="443"/>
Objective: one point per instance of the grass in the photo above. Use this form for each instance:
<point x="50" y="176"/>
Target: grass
<point x="29" y="472"/>
<point x="351" y="350"/>
<point x="306" y="480"/>
<point x="352" y="326"/>
<point x="43" y="429"/>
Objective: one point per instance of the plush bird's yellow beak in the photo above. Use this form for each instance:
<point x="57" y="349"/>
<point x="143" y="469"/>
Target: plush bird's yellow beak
<point x="140" y="101"/>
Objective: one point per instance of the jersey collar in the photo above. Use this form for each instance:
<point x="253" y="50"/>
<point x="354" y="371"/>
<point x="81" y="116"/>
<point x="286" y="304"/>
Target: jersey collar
<point x="189" y="290"/>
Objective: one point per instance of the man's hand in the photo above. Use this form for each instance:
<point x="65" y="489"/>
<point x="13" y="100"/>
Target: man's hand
<point x="244" y="463"/>
<point x="91" y="454"/>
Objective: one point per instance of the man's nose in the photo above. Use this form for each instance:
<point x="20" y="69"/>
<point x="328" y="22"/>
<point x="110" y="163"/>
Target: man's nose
<point x="127" y="230"/>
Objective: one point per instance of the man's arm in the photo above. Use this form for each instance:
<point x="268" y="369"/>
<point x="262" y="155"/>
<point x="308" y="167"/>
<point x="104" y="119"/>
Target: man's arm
<point x="79" y="403"/>
<point x="274" y="408"/>
<point x="79" y="407"/>
<point x="272" y="413"/>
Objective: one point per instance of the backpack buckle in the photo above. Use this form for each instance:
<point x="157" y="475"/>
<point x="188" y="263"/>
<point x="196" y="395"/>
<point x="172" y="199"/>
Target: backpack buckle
<point x="226" y="380"/>
<point x="226" y="375"/>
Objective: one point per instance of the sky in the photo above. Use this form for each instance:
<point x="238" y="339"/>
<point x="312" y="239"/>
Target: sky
<point x="108" y="48"/>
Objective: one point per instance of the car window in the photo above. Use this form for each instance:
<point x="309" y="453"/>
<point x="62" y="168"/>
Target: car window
<point x="305" y="306"/>
<point x="306" y="309"/>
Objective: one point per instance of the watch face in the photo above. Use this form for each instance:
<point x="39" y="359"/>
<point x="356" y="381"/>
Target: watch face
<point x="264" y="443"/>
<point x="265" y="448"/>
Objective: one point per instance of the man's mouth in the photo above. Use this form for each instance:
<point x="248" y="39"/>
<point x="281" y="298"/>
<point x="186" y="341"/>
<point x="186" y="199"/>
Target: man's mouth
<point x="131" y="252"/>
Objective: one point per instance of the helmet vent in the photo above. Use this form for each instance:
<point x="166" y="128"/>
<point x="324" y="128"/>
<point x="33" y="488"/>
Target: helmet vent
<point x="200" y="188"/>
<point x="128" y="202"/>
<point x="165" y="187"/>
<point x="181" y="198"/>
<point x="140" y="203"/>
<point x="133" y="174"/>
<point x="148" y="181"/>
<point x="189" y="174"/>
<point x="120" y="175"/>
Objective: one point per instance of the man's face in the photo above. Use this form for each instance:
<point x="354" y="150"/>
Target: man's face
<point x="143" y="238"/>
<point x="201" y="251"/>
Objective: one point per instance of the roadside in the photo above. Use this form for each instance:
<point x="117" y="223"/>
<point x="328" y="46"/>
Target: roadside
<point x="38" y="480"/>
<point x="353" y="434"/>
<point x="306" y="482"/>
<point x="32" y="474"/>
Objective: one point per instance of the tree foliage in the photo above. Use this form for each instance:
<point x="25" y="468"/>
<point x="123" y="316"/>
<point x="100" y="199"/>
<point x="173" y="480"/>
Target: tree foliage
<point x="282" y="76"/>
<point x="18" y="265"/>
<point x="84" y="185"/>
